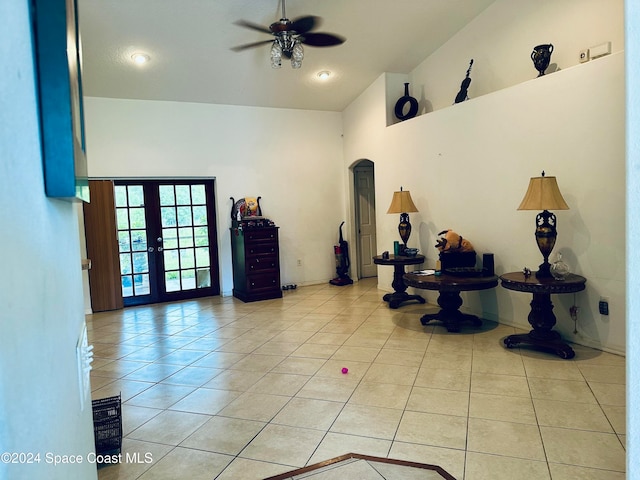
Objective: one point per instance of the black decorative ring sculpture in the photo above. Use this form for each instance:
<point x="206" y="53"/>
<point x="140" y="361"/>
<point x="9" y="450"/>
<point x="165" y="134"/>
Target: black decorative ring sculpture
<point x="402" y="102"/>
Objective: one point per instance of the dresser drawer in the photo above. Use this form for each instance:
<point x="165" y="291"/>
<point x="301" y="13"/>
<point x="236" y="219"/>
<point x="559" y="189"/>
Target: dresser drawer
<point x="263" y="280"/>
<point x="260" y="235"/>
<point x="256" y="264"/>
<point x="261" y="249"/>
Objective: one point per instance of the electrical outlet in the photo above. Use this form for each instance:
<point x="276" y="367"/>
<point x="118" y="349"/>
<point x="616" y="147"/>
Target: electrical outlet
<point x="584" y="55"/>
<point x="603" y="306"/>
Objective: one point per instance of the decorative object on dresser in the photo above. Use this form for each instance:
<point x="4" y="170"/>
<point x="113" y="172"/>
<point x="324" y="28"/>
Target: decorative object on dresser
<point x="245" y="207"/>
<point x="403" y="204"/>
<point x="541" y="57"/>
<point x="402" y="103"/>
<point x="543" y="194"/>
<point x="254" y="252"/>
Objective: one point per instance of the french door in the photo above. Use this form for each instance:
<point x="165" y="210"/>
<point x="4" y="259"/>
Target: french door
<point x="166" y="240"/>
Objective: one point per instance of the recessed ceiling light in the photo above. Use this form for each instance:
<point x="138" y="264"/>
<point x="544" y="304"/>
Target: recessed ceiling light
<point x="140" y="58"/>
<point x="324" y="75"/>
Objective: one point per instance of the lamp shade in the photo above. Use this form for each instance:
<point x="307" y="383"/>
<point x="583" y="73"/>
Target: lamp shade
<point x="402" y="203"/>
<point x="543" y="194"/>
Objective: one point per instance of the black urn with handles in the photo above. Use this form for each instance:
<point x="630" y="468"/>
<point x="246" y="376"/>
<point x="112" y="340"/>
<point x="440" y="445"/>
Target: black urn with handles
<point x="541" y="57"/>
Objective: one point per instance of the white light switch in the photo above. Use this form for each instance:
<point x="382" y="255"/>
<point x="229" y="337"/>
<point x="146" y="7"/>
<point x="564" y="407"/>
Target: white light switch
<point x="84" y="356"/>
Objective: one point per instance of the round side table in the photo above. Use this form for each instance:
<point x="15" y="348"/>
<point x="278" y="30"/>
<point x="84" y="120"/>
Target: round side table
<point x="541" y="317"/>
<point x="399" y="294"/>
<point x="449" y="299"/>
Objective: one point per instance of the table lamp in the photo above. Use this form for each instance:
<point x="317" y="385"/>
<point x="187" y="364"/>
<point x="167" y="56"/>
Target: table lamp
<point x="401" y="203"/>
<point x="543" y="194"/>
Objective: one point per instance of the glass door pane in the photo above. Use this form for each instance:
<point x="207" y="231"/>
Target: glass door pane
<point x="167" y="240"/>
<point x="131" y="223"/>
<point x="187" y="264"/>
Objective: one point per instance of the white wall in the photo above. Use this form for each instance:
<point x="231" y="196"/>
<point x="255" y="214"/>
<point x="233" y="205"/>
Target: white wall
<point x="632" y="14"/>
<point x="468" y="166"/>
<point x="40" y="286"/>
<point x="291" y="158"/>
<point x="569" y="123"/>
<point x="500" y="41"/>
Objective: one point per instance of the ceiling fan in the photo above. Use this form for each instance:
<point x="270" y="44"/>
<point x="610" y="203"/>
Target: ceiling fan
<point x="290" y="35"/>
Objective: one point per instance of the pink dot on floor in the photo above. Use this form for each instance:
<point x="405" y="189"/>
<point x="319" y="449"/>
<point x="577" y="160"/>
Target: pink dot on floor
<point x="345" y="370"/>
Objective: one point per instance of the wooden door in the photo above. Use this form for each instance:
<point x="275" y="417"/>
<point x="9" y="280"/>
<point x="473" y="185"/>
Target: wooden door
<point x="102" y="247"/>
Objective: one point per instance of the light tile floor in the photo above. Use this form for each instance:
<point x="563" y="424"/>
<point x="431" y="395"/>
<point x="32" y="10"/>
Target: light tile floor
<point x="218" y="388"/>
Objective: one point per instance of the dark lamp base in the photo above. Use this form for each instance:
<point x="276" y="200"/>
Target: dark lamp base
<point x="546" y="235"/>
<point x="404" y="228"/>
<point x="544" y="271"/>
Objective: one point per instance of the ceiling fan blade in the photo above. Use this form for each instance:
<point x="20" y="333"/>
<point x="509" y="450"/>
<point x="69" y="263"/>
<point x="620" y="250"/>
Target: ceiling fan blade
<point x="246" y="46"/>
<point x="305" y="24"/>
<point x="253" y="26"/>
<point x="321" y="39"/>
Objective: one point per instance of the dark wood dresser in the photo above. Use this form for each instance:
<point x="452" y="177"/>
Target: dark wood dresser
<point x="256" y="263"/>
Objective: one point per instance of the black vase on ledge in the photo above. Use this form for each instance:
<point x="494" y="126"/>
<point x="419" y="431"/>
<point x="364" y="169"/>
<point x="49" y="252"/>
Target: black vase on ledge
<point x="402" y="103"/>
<point x="541" y="57"/>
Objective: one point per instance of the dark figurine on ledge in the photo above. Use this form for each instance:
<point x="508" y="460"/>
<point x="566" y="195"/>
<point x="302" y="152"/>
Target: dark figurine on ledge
<point x="464" y="87"/>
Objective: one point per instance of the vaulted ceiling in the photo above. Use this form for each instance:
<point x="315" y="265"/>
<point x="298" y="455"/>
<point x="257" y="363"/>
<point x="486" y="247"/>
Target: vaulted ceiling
<point x="189" y="43"/>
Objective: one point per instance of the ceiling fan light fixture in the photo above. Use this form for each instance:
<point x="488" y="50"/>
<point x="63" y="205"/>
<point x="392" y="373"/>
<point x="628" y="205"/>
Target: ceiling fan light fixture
<point x="289" y="37"/>
<point x="276" y="55"/>
<point x="297" y="54"/>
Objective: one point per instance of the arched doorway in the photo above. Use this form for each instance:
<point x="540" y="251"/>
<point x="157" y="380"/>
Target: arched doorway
<point x="365" y="217"/>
